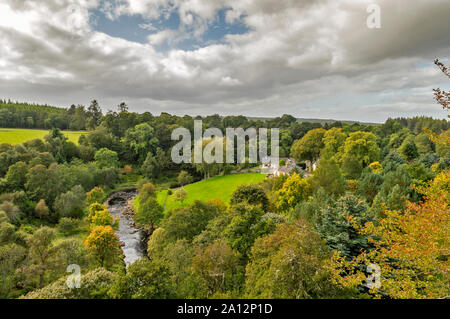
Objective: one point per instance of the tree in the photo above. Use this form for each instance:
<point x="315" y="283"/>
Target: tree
<point x="295" y="190"/>
<point x="72" y="203"/>
<point x="122" y="107"/>
<point x="217" y="267"/>
<point x="147" y="191"/>
<point x="410" y="248"/>
<point x="368" y="185"/>
<point x="155" y="164"/>
<point x="43" y="183"/>
<point x="246" y="225"/>
<point x="409" y="149"/>
<point x="180" y="195"/>
<point x="106" y="158"/>
<point x="145" y="279"/>
<point x="96" y="284"/>
<point x="104" y="218"/>
<point x="424" y="144"/>
<point x="250" y="194"/>
<point x="41" y="210"/>
<point x="41" y="253"/>
<point x="328" y="176"/>
<point x="96" y="195"/>
<point x="360" y="150"/>
<point x="333" y="140"/>
<point x="338" y="225"/>
<point x="309" y="147"/>
<point x="94" y="113"/>
<point x="290" y="263"/>
<point x="184" y="178"/>
<point x="93" y="209"/>
<point x="188" y="222"/>
<point x="149" y="214"/>
<point x="11" y="257"/>
<point x="141" y="140"/>
<point x="16" y="176"/>
<point x="104" y="244"/>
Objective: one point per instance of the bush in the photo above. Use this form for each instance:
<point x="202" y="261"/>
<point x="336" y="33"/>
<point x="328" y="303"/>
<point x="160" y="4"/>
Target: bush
<point x="96" y="195"/>
<point x="68" y="226"/>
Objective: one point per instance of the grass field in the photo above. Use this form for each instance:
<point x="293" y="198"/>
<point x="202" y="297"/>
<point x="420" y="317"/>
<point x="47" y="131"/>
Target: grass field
<point x="220" y="187"/>
<point x="18" y="136"/>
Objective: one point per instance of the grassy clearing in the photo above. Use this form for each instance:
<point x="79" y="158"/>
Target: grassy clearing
<point x="18" y="136"/>
<point x="220" y="187"/>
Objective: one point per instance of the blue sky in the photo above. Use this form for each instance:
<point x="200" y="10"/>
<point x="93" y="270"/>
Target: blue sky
<point x="137" y="28"/>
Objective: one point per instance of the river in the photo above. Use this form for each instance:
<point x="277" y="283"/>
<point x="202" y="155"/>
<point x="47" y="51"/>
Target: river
<point x="130" y="236"/>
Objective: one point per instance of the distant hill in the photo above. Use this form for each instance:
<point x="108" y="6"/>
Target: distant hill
<point x="321" y="121"/>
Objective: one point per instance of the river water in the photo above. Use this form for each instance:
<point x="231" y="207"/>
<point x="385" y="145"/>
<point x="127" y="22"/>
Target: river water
<point x="131" y="237"/>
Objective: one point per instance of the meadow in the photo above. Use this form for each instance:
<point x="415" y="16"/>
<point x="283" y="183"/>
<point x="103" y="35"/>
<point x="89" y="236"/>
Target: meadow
<point x="220" y="187"/>
<point x="18" y="136"/>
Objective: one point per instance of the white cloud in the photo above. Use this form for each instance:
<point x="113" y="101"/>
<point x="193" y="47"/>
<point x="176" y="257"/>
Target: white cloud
<point x="295" y="58"/>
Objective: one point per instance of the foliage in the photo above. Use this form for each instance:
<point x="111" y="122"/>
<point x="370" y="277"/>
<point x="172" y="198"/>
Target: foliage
<point x="145" y="279"/>
<point x="106" y="158"/>
<point x="184" y="178"/>
<point x="411" y="248"/>
<point x="104" y="218"/>
<point x="290" y="263"/>
<point x="328" y="176"/>
<point x="250" y="194"/>
<point x="96" y="195"/>
<point x="309" y="147"/>
<point x="217" y="267"/>
<point x="149" y="214"/>
<point x="295" y="190"/>
<point x="104" y="244"/>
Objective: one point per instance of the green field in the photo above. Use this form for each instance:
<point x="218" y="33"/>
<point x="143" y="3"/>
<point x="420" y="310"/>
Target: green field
<point x="18" y="136"/>
<point x="220" y="187"/>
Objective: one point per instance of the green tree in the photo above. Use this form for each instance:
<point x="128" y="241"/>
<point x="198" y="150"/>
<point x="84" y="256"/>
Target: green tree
<point x="141" y="140"/>
<point x="247" y="225"/>
<point x="328" y="176"/>
<point x="11" y="257"/>
<point x="409" y="149"/>
<point x="184" y="178"/>
<point x="41" y="210"/>
<point x="16" y="176"/>
<point x="338" y="225"/>
<point x="145" y="279"/>
<point x="250" y="194"/>
<point x="309" y="147"/>
<point x="217" y="267"/>
<point x="180" y="195"/>
<point x="43" y="183"/>
<point x="295" y="190"/>
<point x="290" y="263"/>
<point x="41" y="253"/>
<point x="106" y="158"/>
<point x="71" y="203"/>
<point x="104" y="218"/>
<point x="368" y="185"/>
<point x="360" y="150"/>
<point x="334" y="140"/>
<point x="149" y="214"/>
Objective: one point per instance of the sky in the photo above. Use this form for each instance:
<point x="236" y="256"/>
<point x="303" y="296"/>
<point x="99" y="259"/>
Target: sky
<point x="307" y="58"/>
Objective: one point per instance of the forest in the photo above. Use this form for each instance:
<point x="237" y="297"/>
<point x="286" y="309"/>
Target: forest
<point x="370" y="221"/>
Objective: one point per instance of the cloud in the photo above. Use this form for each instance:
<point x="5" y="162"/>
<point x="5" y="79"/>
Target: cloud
<point x="308" y="58"/>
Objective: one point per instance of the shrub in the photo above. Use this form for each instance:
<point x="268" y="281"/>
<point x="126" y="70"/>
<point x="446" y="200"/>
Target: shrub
<point x="68" y="226"/>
